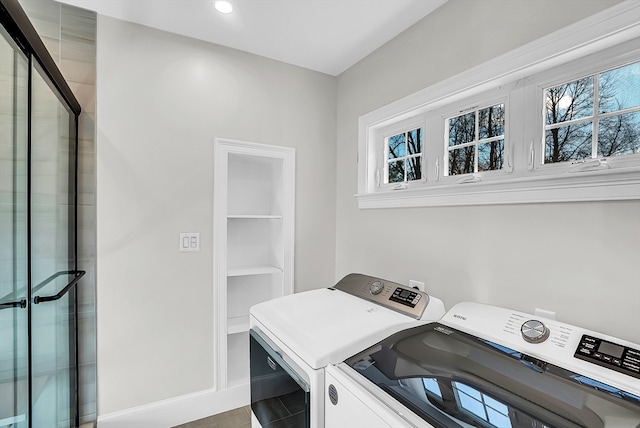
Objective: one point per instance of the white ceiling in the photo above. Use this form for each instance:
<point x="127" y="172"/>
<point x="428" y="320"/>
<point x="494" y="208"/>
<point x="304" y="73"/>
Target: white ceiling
<point x="323" y="35"/>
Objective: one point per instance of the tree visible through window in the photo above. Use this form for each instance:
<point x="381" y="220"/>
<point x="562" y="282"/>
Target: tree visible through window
<point x="476" y="141"/>
<point x="404" y="159"/>
<point x="596" y="116"/>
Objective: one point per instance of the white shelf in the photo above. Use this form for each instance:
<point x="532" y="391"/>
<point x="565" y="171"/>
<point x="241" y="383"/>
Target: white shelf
<point x="238" y="324"/>
<point x="254" y="216"/>
<point x="253" y="270"/>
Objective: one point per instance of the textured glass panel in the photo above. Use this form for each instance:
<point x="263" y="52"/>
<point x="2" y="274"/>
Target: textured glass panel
<point x="396" y="171"/>
<point x="620" y="88"/>
<point x="461" y="161"/>
<point x="619" y="135"/>
<point x="397" y="146"/>
<point x="570" y="101"/>
<point x="568" y="143"/>
<point x="490" y="155"/>
<point x="414" y="141"/>
<point x="491" y="121"/>
<point x="462" y="129"/>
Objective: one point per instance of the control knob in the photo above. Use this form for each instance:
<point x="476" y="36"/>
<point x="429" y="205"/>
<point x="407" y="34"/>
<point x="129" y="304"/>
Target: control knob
<point x="533" y="331"/>
<point x="376" y="287"/>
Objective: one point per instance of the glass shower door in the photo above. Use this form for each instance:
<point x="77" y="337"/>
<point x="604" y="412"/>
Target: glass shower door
<point x="53" y="274"/>
<point x="14" y="342"/>
<point x="38" y="272"/>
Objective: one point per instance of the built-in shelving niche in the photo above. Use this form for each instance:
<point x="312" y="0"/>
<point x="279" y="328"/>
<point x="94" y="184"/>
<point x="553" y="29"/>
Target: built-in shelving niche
<point x="253" y="244"/>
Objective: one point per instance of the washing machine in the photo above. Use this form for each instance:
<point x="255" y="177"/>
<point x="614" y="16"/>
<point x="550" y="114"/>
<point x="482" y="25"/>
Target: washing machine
<point x="295" y="337"/>
<point x="485" y="366"/>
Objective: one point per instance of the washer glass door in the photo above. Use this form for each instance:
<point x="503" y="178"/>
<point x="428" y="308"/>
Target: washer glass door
<point x="453" y="379"/>
<point x="280" y="397"/>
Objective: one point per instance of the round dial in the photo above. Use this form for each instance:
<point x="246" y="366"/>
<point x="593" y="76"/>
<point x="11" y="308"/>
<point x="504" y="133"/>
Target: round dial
<point x="533" y="331"/>
<point x="376" y="287"/>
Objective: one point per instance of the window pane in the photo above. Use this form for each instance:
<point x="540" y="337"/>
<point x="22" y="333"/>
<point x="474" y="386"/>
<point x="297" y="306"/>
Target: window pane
<point x="432" y="386"/>
<point x="495" y="405"/>
<point x="468" y="390"/>
<point x="490" y="155"/>
<point x="396" y="146"/>
<point x="498" y="419"/>
<point x="396" y="171"/>
<point x="619" y="135"/>
<point x="620" y="88"/>
<point x="570" y="101"/>
<point x="414" y="168"/>
<point x="461" y="161"/>
<point x="472" y="405"/>
<point x="568" y="143"/>
<point x="414" y="141"/>
<point x="491" y="121"/>
<point x="462" y="129"/>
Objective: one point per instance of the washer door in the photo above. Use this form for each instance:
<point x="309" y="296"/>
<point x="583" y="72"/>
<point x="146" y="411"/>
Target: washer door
<point x="279" y="396"/>
<point x="450" y="378"/>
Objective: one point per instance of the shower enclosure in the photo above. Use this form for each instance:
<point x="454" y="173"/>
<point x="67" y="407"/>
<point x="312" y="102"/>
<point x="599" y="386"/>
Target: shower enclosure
<point x="38" y="205"/>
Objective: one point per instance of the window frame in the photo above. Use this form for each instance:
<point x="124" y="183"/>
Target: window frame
<point x="489" y="98"/>
<point x="519" y="77"/>
<point x="584" y="67"/>
<point x="397" y="128"/>
<point x="477" y="139"/>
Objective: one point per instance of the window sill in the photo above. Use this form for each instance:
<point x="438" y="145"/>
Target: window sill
<point x="609" y="185"/>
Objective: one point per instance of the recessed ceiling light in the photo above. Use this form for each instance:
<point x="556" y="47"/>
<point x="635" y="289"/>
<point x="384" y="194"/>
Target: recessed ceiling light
<point x="223" y="6"/>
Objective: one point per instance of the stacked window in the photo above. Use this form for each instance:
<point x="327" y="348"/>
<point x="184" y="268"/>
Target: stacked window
<point x="597" y="116"/>
<point x="475" y="141"/>
<point x="404" y="156"/>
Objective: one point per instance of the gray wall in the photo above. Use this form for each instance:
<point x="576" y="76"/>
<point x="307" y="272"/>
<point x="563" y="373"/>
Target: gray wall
<point x="577" y="259"/>
<point x="162" y="99"/>
<point x="69" y="33"/>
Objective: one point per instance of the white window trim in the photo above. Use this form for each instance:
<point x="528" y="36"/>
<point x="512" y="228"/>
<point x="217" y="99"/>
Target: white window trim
<point x="607" y="29"/>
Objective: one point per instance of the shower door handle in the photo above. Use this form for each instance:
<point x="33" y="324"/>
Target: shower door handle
<point x="77" y="275"/>
<point x="17" y="304"/>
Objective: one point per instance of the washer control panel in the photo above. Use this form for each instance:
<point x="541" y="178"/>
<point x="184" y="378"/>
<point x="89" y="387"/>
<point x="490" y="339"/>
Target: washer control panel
<point x="623" y="359"/>
<point x="400" y="298"/>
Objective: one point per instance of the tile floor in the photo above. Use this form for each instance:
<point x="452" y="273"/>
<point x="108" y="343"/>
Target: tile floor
<point x="237" y="418"/>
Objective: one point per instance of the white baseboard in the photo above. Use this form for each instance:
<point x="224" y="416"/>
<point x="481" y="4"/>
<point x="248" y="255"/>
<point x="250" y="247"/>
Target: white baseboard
<point x="178" y="410"/>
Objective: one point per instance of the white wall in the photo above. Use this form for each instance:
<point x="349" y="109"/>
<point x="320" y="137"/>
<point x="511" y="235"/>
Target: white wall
<point x="581" y="260"/>
<point x="162" y="99"/>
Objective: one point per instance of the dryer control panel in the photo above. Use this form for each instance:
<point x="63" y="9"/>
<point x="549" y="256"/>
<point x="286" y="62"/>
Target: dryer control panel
<point x="391" y="295"/>
<point x="607" y="354"/>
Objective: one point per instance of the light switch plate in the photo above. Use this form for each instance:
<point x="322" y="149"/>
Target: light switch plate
<point x="189" y="241"/>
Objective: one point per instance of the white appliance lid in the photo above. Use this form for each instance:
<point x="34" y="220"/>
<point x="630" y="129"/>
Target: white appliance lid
<point x="327" y="326"/>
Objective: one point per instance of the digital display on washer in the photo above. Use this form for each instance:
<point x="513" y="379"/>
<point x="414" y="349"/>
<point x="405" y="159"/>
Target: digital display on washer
<point x="611" y="349"/>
